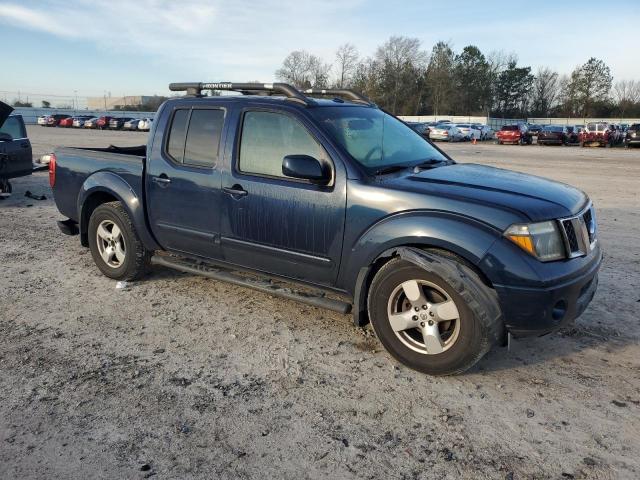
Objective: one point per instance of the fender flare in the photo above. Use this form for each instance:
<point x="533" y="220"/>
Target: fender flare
<point x="115" y="186"/>
<point x="462" y="236"/>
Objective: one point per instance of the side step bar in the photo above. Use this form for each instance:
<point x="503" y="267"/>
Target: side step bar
<point x="265" y="286"/>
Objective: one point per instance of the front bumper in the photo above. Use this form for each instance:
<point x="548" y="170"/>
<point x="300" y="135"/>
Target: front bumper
<point x="540" y="310"/>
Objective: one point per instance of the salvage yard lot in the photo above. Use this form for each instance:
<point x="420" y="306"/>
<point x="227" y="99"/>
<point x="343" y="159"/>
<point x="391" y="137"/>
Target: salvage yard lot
<point x="184" y="377"/>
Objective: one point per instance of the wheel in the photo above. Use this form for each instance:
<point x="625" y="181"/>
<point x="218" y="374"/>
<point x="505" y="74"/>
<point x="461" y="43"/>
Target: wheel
<point x="5" y="186"/>
<point x="439" y="322"/>
<point x="114" y="243"/>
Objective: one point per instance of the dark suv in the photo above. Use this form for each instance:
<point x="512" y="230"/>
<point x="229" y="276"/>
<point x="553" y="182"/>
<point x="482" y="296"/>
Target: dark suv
<point x="442" y="258"/>
<point x="632" y="136"/>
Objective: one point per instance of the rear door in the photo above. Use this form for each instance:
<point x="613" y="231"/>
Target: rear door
<point x="15" y="154"/>
<point x="183" y="180"/>
<point x="274" y="223"/>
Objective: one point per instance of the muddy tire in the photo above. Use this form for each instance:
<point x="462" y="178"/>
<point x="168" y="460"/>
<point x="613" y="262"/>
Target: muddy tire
<point x="439" y="321"/>
<point x="114" y="243"/>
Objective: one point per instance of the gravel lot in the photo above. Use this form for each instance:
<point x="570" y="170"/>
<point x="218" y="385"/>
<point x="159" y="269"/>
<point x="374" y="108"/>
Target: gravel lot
<point x="182" y="377"/>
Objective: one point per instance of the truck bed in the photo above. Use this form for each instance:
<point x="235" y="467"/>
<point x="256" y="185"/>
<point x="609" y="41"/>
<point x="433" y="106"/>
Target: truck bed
<point x="75" y="166"/>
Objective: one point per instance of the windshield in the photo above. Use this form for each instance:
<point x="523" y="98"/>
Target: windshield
<point x="553" y="128"/>
<point x="510" y="128"/>
<point x="374" y="139"/>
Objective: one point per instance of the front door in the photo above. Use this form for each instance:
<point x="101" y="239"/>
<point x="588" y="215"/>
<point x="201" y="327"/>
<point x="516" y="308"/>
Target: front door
<point x="183" y="181"/>
<point x="275" y="223"/>
<point x="15" y="154"/>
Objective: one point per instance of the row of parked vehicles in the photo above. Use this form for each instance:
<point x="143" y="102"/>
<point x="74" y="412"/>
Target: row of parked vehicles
<point x="101" y="123"/>
<point x="593" y="133"/>
<point x="446" y="131"/>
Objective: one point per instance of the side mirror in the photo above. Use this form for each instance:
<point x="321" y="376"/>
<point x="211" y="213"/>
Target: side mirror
<point x="5" y="137"/>
<point x="305" y="167"/>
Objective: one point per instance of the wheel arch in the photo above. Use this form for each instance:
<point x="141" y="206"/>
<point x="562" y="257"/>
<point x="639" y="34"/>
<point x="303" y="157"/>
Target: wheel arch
<point x="464" y="239"/>
<point x="104" y="187"/>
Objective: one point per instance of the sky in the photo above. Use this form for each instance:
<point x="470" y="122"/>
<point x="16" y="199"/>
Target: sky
<point x="137" y="47"/>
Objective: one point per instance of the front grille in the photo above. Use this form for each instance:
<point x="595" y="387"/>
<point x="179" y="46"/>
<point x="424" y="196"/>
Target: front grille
<point x="579" y="232"/>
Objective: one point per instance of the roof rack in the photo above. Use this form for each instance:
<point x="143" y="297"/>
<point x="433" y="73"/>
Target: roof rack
<point x="289" y="91"/>
<point x="345" y="92"/>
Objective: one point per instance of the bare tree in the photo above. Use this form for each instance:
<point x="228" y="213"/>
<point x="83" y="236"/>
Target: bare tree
<point x="346" y="64"/>
<point x="545" y="92"/>
<point x="304" y="70"/>
<point x="402" y="67"/>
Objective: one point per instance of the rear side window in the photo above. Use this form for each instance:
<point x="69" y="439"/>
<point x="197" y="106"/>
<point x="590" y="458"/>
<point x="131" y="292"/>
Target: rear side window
<point x="14" y="127"/>
<point x="267" y="137"/>
<point x="203" y="137"/>
<point x="177" y="134"/>
<point x="194" y="136"/>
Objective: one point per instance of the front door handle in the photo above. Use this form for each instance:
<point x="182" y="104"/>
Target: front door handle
<point x="163" y="180"/>
<point x="236" y="191"/>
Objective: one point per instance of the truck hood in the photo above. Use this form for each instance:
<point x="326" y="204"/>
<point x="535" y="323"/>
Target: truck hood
<point x="5" y="111"/>
<point x="533" y="197"/>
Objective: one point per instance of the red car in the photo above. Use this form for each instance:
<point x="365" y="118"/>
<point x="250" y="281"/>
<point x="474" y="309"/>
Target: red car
<point x="66" y="122"/>
<point x="599" y="133"/>
<point x="513" y="134"/>
<point x="103" y="122"/>
<point x="54" y="120"/>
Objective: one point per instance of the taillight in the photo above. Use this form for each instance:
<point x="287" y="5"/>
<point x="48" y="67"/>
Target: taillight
<point x="52" y="170"/>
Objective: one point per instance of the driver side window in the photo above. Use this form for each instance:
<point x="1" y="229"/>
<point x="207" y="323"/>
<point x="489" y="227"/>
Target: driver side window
<point x="267" y="137"/>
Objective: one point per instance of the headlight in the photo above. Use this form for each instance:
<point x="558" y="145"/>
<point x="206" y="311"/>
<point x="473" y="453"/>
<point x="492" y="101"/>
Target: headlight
<point x="542" y="240"/>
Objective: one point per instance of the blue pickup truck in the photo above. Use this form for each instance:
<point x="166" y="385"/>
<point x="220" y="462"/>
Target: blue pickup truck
<point x="325" y="198"/>
<point x="15" y="148"/>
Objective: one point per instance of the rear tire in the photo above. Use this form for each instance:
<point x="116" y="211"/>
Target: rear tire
<point x="115" y="246"/>
<point x="451" y="349"/>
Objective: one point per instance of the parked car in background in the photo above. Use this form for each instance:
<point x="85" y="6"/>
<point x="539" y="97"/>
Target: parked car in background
<point x="116" y="123"/>
<point x="54" y="120"/>
<point x="513" y="134"/>
<point x="573" y="134"/>
<point x="553" y="135"/>
<point x="42" y="120"/>
<point x="421" y="127"/>
<point x="78" y="122"/>
<point x="66" y="122"/>
<point x="598" y="133"/>
<point x="468" y="133"/>
<point x="103" y="122"/>
<point x="144" y="125"/>
<point x="486" y="132"/>
<point x="131" y="124"/>
<point x="534" y="129"/>
<point x="15" y="148"/>
<point x="446" y="133"/>
<point x="632" y="137"/>
<point x="91" y="123"/>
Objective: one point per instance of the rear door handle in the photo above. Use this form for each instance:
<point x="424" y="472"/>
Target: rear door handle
<point x="236" y="191"/>
<point x="163" y="180"/>
<point x="24" y="145"/>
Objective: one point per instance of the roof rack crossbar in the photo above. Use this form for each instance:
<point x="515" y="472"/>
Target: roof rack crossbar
<point x="345" y="92"/>
<point x="195" y="88"/>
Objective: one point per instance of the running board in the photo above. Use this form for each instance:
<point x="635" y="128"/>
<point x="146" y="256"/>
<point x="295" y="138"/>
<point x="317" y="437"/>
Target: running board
<point x="265" y="286"/>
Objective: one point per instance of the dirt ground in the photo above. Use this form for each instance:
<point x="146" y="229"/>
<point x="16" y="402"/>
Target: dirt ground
<point x="182" y="377"/>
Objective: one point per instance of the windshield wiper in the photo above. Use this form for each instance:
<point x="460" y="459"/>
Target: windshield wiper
<point x="390" y="169"/>
<point x="429" y="163"/>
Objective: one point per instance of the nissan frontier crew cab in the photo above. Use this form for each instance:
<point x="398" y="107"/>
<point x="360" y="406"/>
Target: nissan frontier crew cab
<point x="325" y="191"/>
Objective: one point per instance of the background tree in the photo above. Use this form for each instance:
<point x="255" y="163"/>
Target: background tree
<point x="512" y="89"/>
<point x="401" y="76"/>
<point x="472" y="82"/>
<point x="20" y="103"/>
<point x="627" y="96"/>
<point x="46" y="104"/>
<point x="544" y="92"/>
<point x="590" y="85"/>
<point x="304" y="70"/>
<point x="439" y="78"/>
<point x="346" y="64"/>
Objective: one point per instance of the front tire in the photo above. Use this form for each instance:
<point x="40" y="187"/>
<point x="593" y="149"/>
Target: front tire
<point x="115" y="246"/>
<point x="439" y="322"/>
